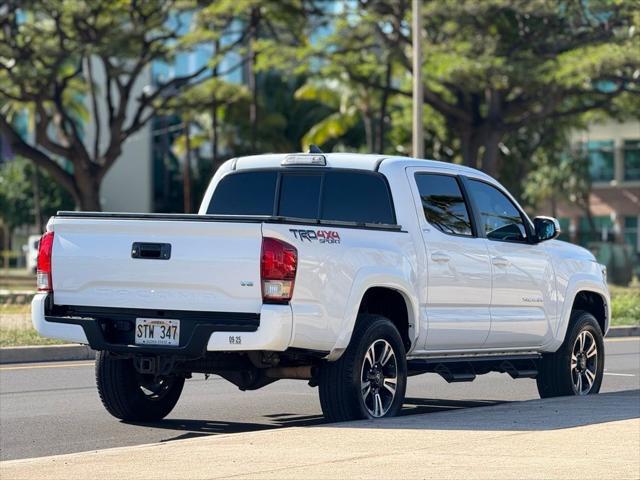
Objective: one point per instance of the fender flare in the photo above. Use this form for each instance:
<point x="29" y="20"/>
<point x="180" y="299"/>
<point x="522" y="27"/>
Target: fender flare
<point x="365" y="279"/>
<point x="580" y="283"/>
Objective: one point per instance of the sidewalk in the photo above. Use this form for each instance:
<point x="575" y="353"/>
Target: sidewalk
<point x="595" y="437"/>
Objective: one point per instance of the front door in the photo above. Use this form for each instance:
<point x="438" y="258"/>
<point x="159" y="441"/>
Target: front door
<point x="458" y="267"/>
<point x="522" y="300"/>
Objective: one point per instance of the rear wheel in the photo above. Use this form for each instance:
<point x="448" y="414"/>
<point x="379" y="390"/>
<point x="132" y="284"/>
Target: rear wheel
<point x="132" y="396"/>
<point x="578" y="366"/>
<point x="369" y="380"/>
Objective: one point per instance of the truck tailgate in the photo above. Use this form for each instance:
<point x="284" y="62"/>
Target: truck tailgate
<point x="213" y="266"/>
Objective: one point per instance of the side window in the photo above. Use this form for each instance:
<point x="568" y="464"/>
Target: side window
<point x="443" y="203"/>
<point x="356" y="197"/>
<point x="245" y="193"/>
<point x="299" y="195"/>
<point x="501" y="220"/>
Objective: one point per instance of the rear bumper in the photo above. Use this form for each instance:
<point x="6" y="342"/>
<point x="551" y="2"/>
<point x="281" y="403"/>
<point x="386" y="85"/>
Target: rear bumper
<point x="111" y="329"/>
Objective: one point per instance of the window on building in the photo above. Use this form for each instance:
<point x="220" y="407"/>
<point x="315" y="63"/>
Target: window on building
<point x="602" y="230"/>
<point x="501" y="219"/>
<point x="601" y="160"/>
<point x="631" y="233"/>
<point x="443" y="204"/>
<point x="631" y="152"/>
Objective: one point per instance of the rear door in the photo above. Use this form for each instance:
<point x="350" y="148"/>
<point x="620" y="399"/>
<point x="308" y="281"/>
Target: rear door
<point x="458" y="268"/>
<point x="522" y="299"/>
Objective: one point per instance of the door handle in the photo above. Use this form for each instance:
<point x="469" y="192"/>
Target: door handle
<point x="500" y="262"/>
<point x="440" y="257"/>
<point x="153" y="251"/>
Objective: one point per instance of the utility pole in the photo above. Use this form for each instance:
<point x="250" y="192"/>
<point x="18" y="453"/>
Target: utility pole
<point x="418" y="96"/>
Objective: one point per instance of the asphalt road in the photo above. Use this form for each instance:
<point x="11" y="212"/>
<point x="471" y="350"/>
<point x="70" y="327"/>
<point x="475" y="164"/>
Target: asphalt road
<point x="49" y="409"/>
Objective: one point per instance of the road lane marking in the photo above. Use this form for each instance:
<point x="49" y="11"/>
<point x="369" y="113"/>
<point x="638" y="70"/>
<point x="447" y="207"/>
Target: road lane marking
<point x="620" y="374"/>
<point x="57" y="365"/>
<point x="621" y="339"/>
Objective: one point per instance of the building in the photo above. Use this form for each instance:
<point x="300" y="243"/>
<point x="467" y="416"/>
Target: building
<point x="613" y="150"/>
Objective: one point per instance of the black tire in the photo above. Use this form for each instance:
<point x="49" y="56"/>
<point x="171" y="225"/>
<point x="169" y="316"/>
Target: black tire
<point x="557" y="375"/>
<point x="340" y="388"/>
<point x="121" y="390"/>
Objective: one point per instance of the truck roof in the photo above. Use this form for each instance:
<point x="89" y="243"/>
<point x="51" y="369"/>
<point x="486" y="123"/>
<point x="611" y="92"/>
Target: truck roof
<point x="358" y="161"/>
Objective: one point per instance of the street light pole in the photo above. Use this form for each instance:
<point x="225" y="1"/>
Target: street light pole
<point x="418" y="134"/>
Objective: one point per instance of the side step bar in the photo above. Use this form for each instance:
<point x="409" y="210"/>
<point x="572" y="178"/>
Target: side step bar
<point x="465" y="369"/>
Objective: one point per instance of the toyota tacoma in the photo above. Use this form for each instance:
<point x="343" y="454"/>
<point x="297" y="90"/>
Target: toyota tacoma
<point x="352" y="272"/>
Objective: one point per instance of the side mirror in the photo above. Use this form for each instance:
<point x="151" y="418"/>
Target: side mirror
<point x="547" y="228"/>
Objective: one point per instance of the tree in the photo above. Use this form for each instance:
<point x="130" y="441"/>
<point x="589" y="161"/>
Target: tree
<point x="558" y="173"/>
<point x="496" y="66"/>
<point x="55" y="53"/>
<point x="260" y="35"/>
<point x="356" y="50"/>
<point x="350" y="106"/>
<point x="18" y="200"/>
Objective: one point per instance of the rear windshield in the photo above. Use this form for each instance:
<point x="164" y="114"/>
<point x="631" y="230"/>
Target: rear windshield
<point x="331" y="195"/>
<point x="244" y="194"/>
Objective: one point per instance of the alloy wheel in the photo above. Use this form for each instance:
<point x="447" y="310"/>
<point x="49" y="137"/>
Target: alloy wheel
<point x="584" y="363"/>
<point x="379" y="378"/>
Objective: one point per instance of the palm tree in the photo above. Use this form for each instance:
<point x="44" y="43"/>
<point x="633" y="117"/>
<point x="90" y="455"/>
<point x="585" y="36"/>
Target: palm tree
<point x="352" y="106"/>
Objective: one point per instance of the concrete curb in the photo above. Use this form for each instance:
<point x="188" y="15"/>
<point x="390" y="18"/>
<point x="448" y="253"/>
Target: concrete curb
<point x="57" y="353"/>
<point x="47" y="353"/>
<point x="617" y="332"/>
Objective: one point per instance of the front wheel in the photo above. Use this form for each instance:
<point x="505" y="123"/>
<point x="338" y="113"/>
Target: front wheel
<point x="370" y="379"/>
<point x="132" y="396"/>
<point x="578" y="365"/>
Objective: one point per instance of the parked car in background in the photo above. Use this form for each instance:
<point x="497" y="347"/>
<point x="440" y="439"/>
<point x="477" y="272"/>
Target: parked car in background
<point x="352" y="272"/>
<point x="31" y="252"/>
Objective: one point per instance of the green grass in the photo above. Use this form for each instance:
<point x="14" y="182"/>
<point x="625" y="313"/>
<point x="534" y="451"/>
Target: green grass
<point x="625" y="305"/>
<point x="19" y="337"/>
<point x="12" y="309"/>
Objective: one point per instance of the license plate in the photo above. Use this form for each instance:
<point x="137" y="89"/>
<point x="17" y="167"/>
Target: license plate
<point x="157" y="331"/>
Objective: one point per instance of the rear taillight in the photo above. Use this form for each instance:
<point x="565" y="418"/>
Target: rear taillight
<point x="43" y="280"/>
<point x="277" y="270"/>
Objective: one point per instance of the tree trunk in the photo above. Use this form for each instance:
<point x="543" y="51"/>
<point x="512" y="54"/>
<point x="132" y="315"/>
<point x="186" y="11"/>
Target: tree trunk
<point x="490" y="156"/>
<point x="469" y="145"/>
<point x="383" y="109"/>
<point x="368" y="131"/>
<point x="252" y="80"/>
<point x="88" y="198"/>
<point x="214" y="113"/>
<point x="37" y="209"/>
<point x="186" y="175"/>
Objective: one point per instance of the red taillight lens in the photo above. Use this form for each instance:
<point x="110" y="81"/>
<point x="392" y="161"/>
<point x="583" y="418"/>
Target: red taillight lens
<point x="277" y="270"/>
<point x="44" y="263"/>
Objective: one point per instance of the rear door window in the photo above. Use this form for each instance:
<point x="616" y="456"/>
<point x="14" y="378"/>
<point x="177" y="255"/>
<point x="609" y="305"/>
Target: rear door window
<point x="443" y="204"/>
<point x="245" y="193"/>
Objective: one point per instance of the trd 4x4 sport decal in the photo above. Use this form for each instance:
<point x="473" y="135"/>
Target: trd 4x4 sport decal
<point x="320" y="236"/>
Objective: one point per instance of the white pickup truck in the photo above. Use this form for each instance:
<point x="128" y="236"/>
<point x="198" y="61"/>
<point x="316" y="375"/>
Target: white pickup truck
<point x="350" y="271"/>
